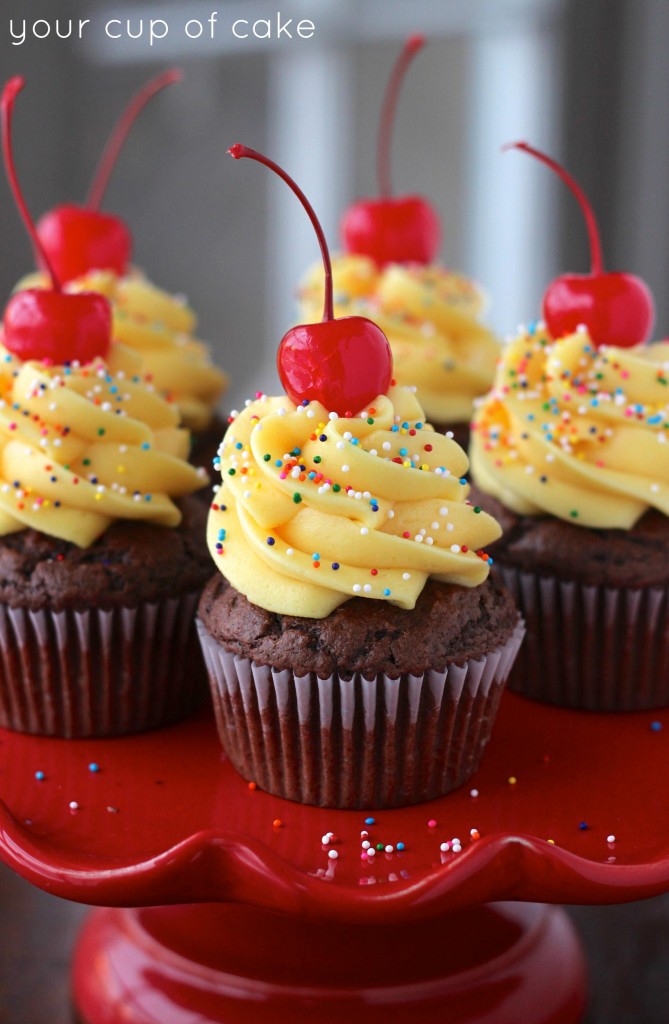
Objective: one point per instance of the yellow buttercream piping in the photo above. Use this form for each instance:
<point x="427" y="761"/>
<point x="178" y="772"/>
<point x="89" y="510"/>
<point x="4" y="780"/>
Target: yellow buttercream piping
<point x="576" y="432"/>
<point x="81" y="446"/>
<point x="315" y="509"/>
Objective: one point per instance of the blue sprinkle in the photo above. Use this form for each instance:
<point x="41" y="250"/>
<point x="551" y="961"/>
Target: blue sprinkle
<point x="370" y="821"/>
<point x="40" y="776"/>
<point x="239" y="445"/>
<point x="278" y="462"/>
<point x="271" y="541"/>
<point x="94" y="767"/>
<point x="656" y="726"/>
<point x="419" y="426"/>
<point x="335" y="565"/>
<point x="584" y="826"/>
<point x="386" y="592"/>
<point x="400" y="846"/>
<point x="463" y="480"/>
<point x="146" y="446"/>
<point x="404" y="451"/>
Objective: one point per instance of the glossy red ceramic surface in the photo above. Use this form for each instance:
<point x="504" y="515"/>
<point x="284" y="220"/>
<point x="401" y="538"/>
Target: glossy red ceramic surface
<point x="501" y="964"/>
<point x="166" y="819"/>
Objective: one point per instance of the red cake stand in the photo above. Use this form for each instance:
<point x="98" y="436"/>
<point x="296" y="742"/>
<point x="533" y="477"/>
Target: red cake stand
<point x="242" y="915"/>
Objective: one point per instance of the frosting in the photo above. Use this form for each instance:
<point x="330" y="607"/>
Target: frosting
<point x="82" y="446"/>
<point x="576" y="432"/>
<point x="160" y="328"/>
<point x="315" y="509"/>
<point x="431" y="319"/>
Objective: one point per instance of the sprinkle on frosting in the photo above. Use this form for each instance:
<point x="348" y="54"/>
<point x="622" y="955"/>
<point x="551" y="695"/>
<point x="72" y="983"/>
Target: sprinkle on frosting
<point x="81" y="446"/>
<point x="575" y="431"/>
<point x="359" y="522"/>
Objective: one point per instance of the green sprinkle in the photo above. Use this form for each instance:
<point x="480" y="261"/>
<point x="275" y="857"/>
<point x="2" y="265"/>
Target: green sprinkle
<point x="317" y="458"/>
<point x="267" y="458"/>
<point x="297" y="497"/>
<point x="477" y="508"/>
<point x="87" y="462"/>
<point x="370" y="420"/>
<point x="336" y="487"/>
<point x="380" y="847"/>
<point x="574" y="513"/>
<point x="231" y="472"/>
<point x="101" y="431"/>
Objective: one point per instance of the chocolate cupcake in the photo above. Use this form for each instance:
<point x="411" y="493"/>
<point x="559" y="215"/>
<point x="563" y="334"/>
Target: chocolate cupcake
<point x="355" y="649"/>
<point x="571" y="442"/>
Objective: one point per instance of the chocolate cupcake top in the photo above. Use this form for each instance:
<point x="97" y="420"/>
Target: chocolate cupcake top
<point x="431" y="317"/>
<point x="575" y="431"/>
<point x="160" y="328"/>
<point x="316" y="508"/>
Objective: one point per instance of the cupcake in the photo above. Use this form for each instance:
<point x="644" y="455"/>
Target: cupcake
<point x="356" y="648"/>
<point x="101" y="548"/>
<point x="91" y="251"/>
<point x="431" y="316"/>
<point x="571" y="444"/>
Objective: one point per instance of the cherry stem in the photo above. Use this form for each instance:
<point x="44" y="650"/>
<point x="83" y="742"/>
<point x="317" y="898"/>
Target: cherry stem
<point x="596" y="262"/>
<point x="121" y="131"/>
<point x="9" y="94"/>
<point x="238" y="151"/>
<point x="409" y="50"/>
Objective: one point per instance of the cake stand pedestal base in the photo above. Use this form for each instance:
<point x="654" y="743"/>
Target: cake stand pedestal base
<point x="228" y="964"/>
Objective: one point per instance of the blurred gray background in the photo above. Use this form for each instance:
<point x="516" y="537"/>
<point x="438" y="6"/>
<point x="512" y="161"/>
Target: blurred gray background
<point x="586" y="79"/>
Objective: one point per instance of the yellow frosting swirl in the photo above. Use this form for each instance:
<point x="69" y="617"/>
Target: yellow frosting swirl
<point x="160" y="328"/>
<point x="316" y="509"/>
<point x="82" y="446"/>
<point x="431" y="319"/>
<point x="574" y="431"/>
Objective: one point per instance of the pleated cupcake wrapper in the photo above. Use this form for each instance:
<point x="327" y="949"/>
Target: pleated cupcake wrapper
<point x="96" y="672"/>
<point x="588" y="647"/>
<point x="356" y="742"/>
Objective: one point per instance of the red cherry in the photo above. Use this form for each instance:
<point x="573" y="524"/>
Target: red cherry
<point x="343" y="364"/>
<point x="617" y="308"/>
<point x="48" y="323"/>
<point x="58" y="327"/>
<point x="78" y="239"/>
<point x="392" y="230"/>
<point x="397" y="230"/>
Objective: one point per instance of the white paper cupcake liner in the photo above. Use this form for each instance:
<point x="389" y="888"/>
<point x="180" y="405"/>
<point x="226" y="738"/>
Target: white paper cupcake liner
<point x="96" y="672"/>
<point x="588" y="647"/>
<point x="356" y="742"/>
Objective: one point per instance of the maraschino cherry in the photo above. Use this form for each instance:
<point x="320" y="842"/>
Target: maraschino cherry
<point x="343" y="364"/>
<point x="41" y="323"/>
<point x="78" y="239"/>
<point x="616" y="308"/>
<point x="392" y="229"/>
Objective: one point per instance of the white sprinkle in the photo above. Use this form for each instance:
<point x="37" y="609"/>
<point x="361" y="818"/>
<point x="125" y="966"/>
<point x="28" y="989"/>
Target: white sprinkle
<point x="367" y="588"/>
<point x="386" y="446"/>
<point x="332" y="854"/>
<point x="366" y="844"/>
<point x="333" y="415"/>
<point x="654" y="488"/>
<point x="418" y="538"/>
<point x="356" y="588"/>
<point x="445" y="847"/>
<point x="443" y="511"/>
<point x="473" y="792"/>
<point x="390" y="848"/>
<point x="247" y="494"/>
<point x="347" y="435"/>
<point x="289" y="551"/>
<point x="455" y="548"/>
<point x="610" y="839"/>
<point x="371" y="852"/>
<point x="391" y="513"/>
<point x="326" y="838"/>
<point x="429" y="540"/>
<point x="74" y="806"/>
<point x="449" y="526"/>
<point x="345" y="469"/>
<point x="406" y="575"/>
<point x="434" y="526"/>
